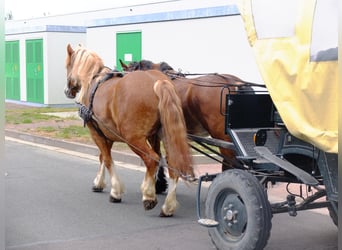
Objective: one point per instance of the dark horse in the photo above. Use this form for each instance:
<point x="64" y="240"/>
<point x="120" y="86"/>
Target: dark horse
<point x="202" y="104"/>
<point x="131" y="108"/>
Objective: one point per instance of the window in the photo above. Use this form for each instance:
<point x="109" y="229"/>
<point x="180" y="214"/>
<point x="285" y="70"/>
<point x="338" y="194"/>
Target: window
<point x="324" y="38"/>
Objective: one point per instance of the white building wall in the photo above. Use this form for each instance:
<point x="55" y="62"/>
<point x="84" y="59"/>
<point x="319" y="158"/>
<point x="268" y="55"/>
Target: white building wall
<point x="55" y="70"/>
<point x="103" y="42"/>
<point x="200" y="45"/>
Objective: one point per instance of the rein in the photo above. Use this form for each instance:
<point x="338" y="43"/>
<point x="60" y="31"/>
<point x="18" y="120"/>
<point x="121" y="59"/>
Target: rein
<point x="216" y="84"/>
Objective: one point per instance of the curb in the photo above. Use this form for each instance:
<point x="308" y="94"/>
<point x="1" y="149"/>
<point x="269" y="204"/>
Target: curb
<point x="90" y="149"/>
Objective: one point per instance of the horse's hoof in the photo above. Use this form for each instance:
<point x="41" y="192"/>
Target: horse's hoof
<point x="149" y="204"/>
<point x="114" y="200"/>
<point x="97" y="189"/>
<point x="162" y="214"/>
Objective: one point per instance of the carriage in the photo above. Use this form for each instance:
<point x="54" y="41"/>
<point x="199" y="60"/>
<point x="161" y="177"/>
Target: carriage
<point x="283" y="132"/>
<point x="237" y="209"/>
<point x="270" y="139"/>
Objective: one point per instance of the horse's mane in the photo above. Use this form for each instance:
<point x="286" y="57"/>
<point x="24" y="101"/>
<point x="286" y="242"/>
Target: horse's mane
<point x="141" y="65"/>
<point x="147" y="65"/>
<point x="85" y="65"/>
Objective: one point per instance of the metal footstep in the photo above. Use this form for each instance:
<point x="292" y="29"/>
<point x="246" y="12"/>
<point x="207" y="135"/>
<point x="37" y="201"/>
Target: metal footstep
<point x="204" y="221"/>
<point x="208" y="222"/>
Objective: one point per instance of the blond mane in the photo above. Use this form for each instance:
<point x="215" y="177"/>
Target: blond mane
<point x="84" y="65"/>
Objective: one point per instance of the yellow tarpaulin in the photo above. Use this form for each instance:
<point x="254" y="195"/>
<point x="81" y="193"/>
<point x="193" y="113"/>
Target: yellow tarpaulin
<point x="303" y="84"/>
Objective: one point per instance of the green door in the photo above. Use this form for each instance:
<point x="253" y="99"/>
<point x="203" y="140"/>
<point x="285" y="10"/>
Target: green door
<point x="34" y="71"/>
<point x="12" y="70"/>
<point x="128" y="47"/>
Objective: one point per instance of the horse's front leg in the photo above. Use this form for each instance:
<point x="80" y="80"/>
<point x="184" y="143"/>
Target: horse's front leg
<point x="106" y="161"/>
<point x="99" y="182"/>
<point x="117" y="188"/>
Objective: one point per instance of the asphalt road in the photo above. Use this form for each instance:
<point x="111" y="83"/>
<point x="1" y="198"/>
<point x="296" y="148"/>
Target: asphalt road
<point x="49" y="205"/>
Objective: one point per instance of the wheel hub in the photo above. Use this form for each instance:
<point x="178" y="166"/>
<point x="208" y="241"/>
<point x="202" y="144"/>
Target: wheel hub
<point x="234" y="216"/>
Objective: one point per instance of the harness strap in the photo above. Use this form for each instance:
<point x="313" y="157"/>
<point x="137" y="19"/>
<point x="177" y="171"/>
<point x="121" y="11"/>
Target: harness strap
<point x="87" y="113"/>
<point x="202" y="83"/>
<point x="88" y="117"/>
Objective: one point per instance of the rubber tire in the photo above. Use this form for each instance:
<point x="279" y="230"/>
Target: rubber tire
<point x="242" y="189"/>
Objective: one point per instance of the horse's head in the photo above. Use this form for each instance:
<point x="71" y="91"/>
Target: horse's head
<point x="73" y="85"/>
<point x="81" y="65"/>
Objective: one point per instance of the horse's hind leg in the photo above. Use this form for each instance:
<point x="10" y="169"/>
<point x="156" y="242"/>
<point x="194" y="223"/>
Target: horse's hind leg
<point x="106" y="162"/>
<point x="170" y="203"/>
<point x="161" y="185"/>
<point x="151" y="160"/>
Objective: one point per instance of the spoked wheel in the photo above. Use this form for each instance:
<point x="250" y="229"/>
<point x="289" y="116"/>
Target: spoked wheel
<point x="238" y="202"/>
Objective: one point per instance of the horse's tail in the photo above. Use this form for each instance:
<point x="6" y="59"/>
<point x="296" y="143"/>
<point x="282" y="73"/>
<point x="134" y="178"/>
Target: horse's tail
<point x="174" y="129"/>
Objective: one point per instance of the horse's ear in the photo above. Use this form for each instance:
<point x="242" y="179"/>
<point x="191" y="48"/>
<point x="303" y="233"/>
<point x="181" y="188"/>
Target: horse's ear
<point x="123" y="65"/>
<point x="69" y="50"/>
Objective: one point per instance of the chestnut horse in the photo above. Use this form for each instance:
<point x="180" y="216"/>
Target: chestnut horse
<point x="202" y="103"/>
<point x="130" y="108"/>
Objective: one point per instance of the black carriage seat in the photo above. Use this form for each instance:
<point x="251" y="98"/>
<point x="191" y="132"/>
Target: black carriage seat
<point x="258" y="134"/>
<point x="251" y="116"/>
<point x="249" y="111"/>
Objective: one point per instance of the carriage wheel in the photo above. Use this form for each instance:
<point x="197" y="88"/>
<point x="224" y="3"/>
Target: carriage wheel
<point x="239" y="203"/>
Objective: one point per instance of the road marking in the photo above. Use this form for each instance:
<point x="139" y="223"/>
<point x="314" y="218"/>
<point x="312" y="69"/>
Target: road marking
<point x="74" y="153"/>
